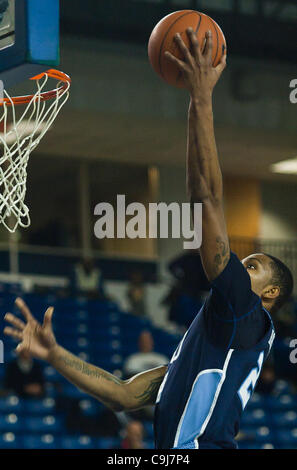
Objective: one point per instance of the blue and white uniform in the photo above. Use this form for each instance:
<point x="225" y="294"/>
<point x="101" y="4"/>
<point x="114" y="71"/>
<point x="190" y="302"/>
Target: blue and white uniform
<point x="214" y="370"/>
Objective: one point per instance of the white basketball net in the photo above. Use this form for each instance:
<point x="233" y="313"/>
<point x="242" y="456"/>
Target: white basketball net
<point x="24" y="127"/>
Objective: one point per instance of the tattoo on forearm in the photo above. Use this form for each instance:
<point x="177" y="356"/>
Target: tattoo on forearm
<point x="221" y="257"/>
<point x="150" y="394"/>
<point x="90" y="371"/>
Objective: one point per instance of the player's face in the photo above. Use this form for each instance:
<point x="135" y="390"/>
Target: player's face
<point x="259" y="269"/>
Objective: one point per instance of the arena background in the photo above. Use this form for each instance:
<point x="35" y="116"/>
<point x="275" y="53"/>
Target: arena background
<point x="123" y="131"/>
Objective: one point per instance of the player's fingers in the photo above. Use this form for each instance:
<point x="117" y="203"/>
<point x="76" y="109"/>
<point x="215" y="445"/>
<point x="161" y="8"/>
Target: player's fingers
<point x="47" y="321"/>
<point x="180" y="64"/>
<point x="223" y="63"/>
<point x="183" y="48"/>
<point x="20" y="347"/>
<point x="208" y="46"/>
<point x="14" y="321"/>
<point x="13" y="333"/>
<point x="24" y="309"/>
<point x="195" y="45"/>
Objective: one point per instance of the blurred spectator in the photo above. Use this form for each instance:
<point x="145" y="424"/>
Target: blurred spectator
<point x="146" y="358"/>
<point x="188" y="270"/>
<point x="186" y="296"/>
<point x="136" y="294"/>
<point x="134" y="436"/>
<point x="88" y="280"/>
<point x="24" y="377"/>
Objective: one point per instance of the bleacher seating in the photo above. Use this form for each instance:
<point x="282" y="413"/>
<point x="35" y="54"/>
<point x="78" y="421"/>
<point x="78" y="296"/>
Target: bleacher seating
<point x="96" y="331"/>
<point x="102" y="334"/>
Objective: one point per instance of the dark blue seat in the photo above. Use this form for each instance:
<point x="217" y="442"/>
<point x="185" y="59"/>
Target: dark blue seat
<point x="78" y="442"/>
<point x="257" y="434"/>
<point x="257" y="401"/>
<point x="10" y="440"/>
<point x="43" y="424"/>
<point x="40" y="407"/>
<point x="255" y="417"/>
<point x="90" y="407"/>
<point x="286" y="419"/>
<point x="108" y="443"/>
<point x="72" y="392"/>
<point x="282" y="402"/>
<point x="51" y="374"/>
<point x="286" y="438"/>
<point x="11" y="404"/>
<point x="11" y="423"/>
<point x="256" y="445"/>
<point x="46" y="441"/>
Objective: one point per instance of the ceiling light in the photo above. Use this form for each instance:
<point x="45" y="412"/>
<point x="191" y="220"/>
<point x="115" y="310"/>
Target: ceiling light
<point x="286" y="166"/>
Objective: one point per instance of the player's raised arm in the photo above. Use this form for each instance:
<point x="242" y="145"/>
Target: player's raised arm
<point x="40" y="342"/>
<point x="204" y="178"/>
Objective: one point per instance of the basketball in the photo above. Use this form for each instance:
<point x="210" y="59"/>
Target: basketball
<point x="162" y="39"/>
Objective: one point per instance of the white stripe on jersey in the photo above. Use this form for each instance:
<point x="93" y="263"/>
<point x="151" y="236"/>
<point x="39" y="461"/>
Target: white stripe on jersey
<point x="205" y="423"/>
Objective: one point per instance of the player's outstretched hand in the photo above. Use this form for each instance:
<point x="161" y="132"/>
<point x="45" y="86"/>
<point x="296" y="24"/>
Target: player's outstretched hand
<point x="199" y="74"/>
<point x="36" y="339"/>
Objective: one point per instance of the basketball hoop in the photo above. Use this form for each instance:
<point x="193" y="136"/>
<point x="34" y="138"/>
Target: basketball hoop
<point x="21" y="137"/>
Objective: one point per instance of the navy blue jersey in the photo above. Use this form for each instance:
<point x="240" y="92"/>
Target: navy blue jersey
<point x="214" y="370"/>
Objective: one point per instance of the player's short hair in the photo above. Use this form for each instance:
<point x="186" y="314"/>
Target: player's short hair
<point x="282" y="277"/>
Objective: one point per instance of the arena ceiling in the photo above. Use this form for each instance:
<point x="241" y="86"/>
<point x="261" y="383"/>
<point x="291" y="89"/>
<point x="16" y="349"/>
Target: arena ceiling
<point x="145" y="141"/>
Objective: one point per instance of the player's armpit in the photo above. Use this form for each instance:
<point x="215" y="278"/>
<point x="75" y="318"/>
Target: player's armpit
<point x="142" y="389"/>
<point x="215" y="249"/>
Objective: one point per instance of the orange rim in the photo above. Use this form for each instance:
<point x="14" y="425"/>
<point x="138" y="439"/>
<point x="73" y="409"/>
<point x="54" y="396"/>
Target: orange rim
<point x="46" y="95"/>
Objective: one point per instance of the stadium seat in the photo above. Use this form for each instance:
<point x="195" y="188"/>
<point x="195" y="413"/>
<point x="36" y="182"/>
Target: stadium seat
<point x="45" y="441"/>
<point x="287" y="419"/>
<point x="79" y="442"/>
<point x="11" y="423"/>
<point x="256" y="401"/>
<point x="108" y="443"/>
<point x="40" y="407"/>
<point x="9" y="440"/>
<point x="51" y="374"/>
<point x="282" y="402"/>
<point x="256" y="417"/>
<point x="11" y="404"/>
<point x="256" y="445"/>
<point x="90" y="407"/>
<point x="257" y="434"/>
<point x="71" y="391"/>
<point x="286" y="438"/>
<point x="43" y="424"/>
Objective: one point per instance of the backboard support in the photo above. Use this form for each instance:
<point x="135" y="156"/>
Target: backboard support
<point x="29" y="38"/>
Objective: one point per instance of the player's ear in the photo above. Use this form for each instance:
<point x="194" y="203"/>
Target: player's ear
<point x="270" y="292"/>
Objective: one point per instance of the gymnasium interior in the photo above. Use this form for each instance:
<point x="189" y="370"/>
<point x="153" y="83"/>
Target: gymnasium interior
<point x="123" y="132"/>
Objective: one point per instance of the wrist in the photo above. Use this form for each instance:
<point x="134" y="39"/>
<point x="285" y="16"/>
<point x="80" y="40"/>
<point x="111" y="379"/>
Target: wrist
<point x="52" y="353"/>
<point x="202" y="100"/>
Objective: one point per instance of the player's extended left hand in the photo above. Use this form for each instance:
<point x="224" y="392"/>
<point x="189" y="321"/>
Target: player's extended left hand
<point x="199" y="75"/>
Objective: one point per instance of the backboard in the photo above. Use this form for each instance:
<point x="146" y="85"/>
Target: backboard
<point x="29" y="38"/>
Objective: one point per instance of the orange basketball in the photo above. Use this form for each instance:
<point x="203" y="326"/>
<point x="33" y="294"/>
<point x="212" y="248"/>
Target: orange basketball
<point x="162" y="39"/>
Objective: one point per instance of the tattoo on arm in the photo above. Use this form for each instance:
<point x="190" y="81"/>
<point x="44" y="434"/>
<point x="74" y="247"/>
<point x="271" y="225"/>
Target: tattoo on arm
<point x="86" y="369"/>
<point x="149" y="395"/>
<point x="222" y="256"/>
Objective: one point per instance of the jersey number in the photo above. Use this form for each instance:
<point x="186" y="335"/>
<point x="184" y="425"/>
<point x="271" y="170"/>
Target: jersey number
<point x="249" y="384"/>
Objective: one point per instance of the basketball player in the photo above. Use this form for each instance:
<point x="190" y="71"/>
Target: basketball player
<point x="201" y="393"/>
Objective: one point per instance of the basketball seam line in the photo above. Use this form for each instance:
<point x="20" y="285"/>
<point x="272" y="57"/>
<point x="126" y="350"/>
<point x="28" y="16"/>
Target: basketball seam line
<point x="164" y="38"/>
